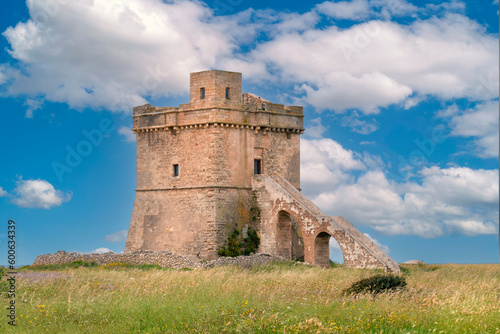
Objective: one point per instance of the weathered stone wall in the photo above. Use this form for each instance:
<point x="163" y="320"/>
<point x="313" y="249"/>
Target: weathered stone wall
<point x="281" y="155"/>
<point x="165" y="259"/>
<point x="214" y="142"/>
<point x="215" y="84"/>
<point x="193" y="232"/>
<point x="194" y="152"/>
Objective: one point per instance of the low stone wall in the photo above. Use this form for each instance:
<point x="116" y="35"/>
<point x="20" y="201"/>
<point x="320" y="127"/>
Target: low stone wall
<point x="165" y="259"/>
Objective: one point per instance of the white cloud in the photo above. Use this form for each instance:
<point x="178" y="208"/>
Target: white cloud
<point x="101" y="250"/>
<point x="325" y="164"/>
<point x="412" y="102"/>
<point x="330" y="153"/>
<point x="117" y="236"/>
<point x="38" y="194"/>
<point x="367" y="92"/>
<point x="445" y="57"/>
<point x="359" y="126"/>
<point x="390" y="8"/>
<point x="3" y="193"/>
<point x="450" y="200"/>
<point x="481" y="123"/>
<point x="127" y="133"/>
<point x="316" y="130"/>
<point x="32" y="104"/>
<point x="470" y="227"/>
<point x="350" y="10"/>
<point x="111" y="53"/>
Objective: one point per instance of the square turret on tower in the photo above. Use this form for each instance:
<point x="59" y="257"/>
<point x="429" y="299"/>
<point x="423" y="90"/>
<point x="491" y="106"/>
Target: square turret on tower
<point x="215" y="88"/>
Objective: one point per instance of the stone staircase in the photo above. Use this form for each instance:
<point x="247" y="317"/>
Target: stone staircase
<point x="337" y="222"/>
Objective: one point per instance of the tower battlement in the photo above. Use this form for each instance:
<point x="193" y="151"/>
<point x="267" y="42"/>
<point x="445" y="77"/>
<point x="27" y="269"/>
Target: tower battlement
<point x="216" y="99"/>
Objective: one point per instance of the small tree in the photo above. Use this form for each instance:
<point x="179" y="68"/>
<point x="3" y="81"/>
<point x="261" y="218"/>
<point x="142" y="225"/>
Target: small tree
<point x="235" y="248"/>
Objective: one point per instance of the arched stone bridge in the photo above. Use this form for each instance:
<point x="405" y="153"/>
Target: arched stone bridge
<point x="294" y="227"/>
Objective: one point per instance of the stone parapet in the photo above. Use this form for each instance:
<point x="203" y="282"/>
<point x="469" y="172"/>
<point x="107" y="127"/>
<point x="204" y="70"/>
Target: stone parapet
<point x="148" y="119"/>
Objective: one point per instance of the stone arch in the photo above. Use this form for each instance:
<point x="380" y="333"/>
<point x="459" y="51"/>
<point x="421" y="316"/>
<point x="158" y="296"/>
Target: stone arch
<point x="289" y="238"/>
<point x="336" y="251"/>
<point x="322" y="249"/>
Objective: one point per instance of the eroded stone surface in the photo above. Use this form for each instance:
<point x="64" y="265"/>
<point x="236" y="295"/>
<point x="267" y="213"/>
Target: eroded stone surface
<point x="213" y="143"/>
<point x="165" y="259"/>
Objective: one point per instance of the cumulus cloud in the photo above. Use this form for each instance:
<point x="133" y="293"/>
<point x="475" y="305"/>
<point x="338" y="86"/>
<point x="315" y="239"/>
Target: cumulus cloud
<point x="481" y="123"/>
<point x="444" y="200"/>
<point x="117" y="236"/>
<point x="445" y="57"/>
<point x="127" y="134"/>
<point x="470" y="227"/>
<point x="38" y="194"/>
<point x="366" y="92"/>
<point x="111" y="54"/>
<point x="3" y="193"/>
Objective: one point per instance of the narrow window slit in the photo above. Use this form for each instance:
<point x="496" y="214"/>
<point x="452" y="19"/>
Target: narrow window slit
<point x="257" y="166"/>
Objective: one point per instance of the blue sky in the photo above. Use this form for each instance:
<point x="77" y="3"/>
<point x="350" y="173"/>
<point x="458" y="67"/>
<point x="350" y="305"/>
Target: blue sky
<point x="400" y="98"/>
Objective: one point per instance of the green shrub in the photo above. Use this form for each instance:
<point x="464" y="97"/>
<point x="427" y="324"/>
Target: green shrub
<point x="251" y="242"/>
<point x="235" y="248"/>
<point x="232" y="249"/>
<point x="377" y="284"/>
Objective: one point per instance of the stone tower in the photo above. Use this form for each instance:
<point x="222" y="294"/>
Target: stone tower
<point x="195" y="164"/>
<point x="206" y="167"/>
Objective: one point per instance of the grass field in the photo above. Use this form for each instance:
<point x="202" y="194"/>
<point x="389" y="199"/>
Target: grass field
<point x="279" y="298"/>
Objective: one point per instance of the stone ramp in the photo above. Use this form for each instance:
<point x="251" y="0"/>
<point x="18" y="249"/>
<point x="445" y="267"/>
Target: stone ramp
<point x="356" y="234"/>
<point x="335" y="226"/>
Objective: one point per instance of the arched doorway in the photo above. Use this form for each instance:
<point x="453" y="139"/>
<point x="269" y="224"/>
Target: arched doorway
<point x="289" y="240"/>
<point x="322" y="250"/>
<point x="336" y="254"/>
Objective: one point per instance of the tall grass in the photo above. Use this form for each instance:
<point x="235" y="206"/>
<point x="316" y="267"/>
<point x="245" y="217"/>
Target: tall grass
<point x="280" y="298"/>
